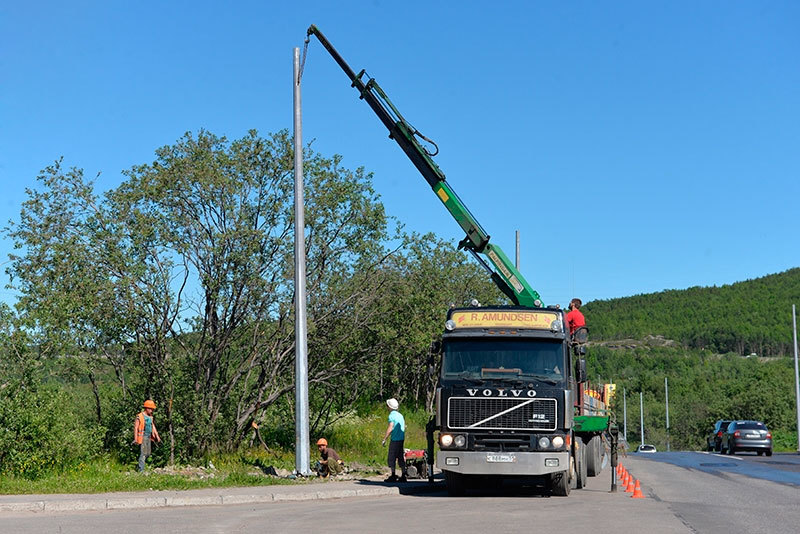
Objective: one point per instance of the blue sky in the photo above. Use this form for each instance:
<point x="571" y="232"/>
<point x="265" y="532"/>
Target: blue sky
<point x="636" y="146"/>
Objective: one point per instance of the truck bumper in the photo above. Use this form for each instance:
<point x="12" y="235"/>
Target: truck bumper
<point x="513" y="463"/>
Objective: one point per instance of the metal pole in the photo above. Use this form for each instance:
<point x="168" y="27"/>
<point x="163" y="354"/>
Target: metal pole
<point x="641" y="414"/>
<point x="666" y="395"/>
<point x="625" y="415"/>
<point x="517" y="259"/>
<point x="796" y="377"/>
<point x="302" y="452"/>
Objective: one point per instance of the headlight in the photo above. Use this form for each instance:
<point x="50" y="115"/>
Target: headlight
<point x="555" y="326"/>
<point x="544" y="442"/>
<point x="450" y="325"/>
<point x="460" y="441"/>
<point x="558" y="442"/>
<point x="446" y="440"/>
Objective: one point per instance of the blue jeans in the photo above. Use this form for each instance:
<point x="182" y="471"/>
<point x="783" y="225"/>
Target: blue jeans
<point x="144" y="452"/>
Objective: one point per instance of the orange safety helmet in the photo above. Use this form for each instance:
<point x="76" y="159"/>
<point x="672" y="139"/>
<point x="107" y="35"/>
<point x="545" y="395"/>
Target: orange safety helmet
<point x="322" y="441"/>
<point x="149" y="404"/>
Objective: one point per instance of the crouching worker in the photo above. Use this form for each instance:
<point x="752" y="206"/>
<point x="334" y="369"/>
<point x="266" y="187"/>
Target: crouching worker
<point x="144" y="431"/>
<point x="329" y="463"/>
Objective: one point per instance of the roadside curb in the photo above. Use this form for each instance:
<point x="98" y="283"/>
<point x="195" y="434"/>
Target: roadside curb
<point x="119" y="502"/>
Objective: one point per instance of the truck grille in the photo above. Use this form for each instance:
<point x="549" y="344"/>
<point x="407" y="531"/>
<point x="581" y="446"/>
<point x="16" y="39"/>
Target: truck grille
<point x="517" y="414"/>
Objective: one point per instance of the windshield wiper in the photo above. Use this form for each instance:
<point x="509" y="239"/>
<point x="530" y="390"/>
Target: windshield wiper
<point x="513" y="380"/>
<point x="465" y="375"/>
<point x="542" y="378"/>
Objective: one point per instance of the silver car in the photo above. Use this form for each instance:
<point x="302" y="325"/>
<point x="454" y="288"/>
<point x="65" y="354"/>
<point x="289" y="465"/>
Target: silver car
<point x="747" y="436"/>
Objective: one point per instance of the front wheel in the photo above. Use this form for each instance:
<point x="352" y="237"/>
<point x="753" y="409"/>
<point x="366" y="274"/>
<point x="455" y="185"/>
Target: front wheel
<point x="559" y="484"/>
<point x="455" y="483"/>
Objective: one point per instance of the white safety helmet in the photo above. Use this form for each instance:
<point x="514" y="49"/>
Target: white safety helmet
<point x="393" y="404"/>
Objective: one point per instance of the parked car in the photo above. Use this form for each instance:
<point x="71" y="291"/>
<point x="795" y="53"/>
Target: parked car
<point x="714" y="440"/>
<point x="747" y="436"/>
<point x="646" y="448"/>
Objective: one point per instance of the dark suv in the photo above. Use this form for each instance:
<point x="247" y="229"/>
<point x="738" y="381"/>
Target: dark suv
<point x="714" y="440"/>
<point x="747" y="436"/>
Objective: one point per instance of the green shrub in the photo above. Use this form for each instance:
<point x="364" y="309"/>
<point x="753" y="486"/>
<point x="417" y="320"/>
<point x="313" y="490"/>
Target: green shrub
<point x="41" y="432"/>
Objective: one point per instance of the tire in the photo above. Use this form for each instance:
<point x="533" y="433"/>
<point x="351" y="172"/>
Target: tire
<point x="573" y="471"/>
<point x="594" y="456"/>
<point x="731" y="450"/>
<point x="559" y="484"/>
<point x="760" y="453"/>
<point x="580" y="464"/>
<point x="769" y="452"/>
<point x="456" y="485"/>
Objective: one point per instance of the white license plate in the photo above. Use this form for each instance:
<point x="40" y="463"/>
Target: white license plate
<point x="501" y="458"/>
<point x="753" y="436"/>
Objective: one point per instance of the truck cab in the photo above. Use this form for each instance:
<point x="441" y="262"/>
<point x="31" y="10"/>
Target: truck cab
<point x="505" y="398"/>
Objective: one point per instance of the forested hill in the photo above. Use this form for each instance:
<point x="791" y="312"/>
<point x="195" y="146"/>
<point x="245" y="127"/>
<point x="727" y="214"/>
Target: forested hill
<point x="754" y="316"/>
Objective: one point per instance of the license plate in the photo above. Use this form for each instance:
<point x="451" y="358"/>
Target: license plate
<point x="501" y="458"/>
<point x="753" y="435"/>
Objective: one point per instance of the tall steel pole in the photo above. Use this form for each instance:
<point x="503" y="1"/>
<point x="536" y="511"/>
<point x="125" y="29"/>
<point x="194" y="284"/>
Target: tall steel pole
<point x="666" y="395"/>
<point x="302" y="451"/>
<point x="641" y="415"/>
<point x="796" y="376"/>
<point x="516" y="263"/>
<point x="625" y="415"/>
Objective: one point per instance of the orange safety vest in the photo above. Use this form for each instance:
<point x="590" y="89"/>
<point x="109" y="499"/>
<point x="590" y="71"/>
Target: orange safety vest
<point x="138" y="429"/>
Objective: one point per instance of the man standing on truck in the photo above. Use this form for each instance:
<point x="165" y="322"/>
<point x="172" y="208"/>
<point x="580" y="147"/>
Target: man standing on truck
<point x="397" y="431"/>
<point x="575" y="318"/>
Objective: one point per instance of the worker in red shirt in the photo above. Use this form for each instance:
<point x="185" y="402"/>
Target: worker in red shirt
<point x="575" y="318"/>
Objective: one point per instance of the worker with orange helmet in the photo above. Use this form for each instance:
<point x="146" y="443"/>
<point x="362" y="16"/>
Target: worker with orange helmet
<point x="330" y="463"/>
<point x="144" y="431"/>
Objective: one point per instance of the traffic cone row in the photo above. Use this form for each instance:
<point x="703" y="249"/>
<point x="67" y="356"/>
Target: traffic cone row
<point x="630" y="484"/>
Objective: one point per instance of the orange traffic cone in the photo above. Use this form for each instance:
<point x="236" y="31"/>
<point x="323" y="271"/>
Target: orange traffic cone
<point x="625" y="477"/>
<point x="630" y="488"/>
<point x="637" y="491"/>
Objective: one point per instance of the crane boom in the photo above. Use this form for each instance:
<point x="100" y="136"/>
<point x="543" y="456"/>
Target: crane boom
<point x="505" y="275"/>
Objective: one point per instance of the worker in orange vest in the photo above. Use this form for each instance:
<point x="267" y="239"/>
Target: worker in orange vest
<point x="144" y="431"/>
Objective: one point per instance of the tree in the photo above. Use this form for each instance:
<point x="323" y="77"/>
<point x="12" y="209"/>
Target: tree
<point x="185" y="270"/>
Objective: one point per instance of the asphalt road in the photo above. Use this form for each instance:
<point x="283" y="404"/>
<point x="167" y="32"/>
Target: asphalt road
<point x="686" y="492"/>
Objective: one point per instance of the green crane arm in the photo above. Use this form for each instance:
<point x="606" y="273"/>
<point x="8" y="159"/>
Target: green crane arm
<point x="505" y="275"/>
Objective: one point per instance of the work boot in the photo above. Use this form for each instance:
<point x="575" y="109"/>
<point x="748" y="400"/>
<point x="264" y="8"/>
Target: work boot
<point x="392" y="478"/>
<point x="403" y="479"/>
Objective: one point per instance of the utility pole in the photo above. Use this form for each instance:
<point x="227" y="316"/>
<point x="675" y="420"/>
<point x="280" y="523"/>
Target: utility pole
<point x="302" y="450"/>
<point x="625" y="416"/>
<point x="666" y="396"/>
<point x="796" y="377"/>
<point x="641" y="414"/>
<point x="517" y="258"/>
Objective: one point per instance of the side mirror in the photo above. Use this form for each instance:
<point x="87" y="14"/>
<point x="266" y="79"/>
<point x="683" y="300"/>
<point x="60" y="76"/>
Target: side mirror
<point x="580" y="372"/>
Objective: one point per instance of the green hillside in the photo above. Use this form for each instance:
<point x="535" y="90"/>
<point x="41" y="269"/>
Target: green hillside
<point x="754" y="316"/>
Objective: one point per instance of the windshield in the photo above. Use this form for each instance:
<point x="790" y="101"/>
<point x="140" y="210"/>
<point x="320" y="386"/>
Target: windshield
<point x="512" y="359"/>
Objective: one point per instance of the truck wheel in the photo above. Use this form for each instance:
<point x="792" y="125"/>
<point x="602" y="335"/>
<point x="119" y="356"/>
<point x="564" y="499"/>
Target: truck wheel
<point x="594" y="456"/>
<point x="559" y="484"/>
<point x="573" y="471"/>
<point x="455" y="483"/>
<point x="580" y="464"/>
